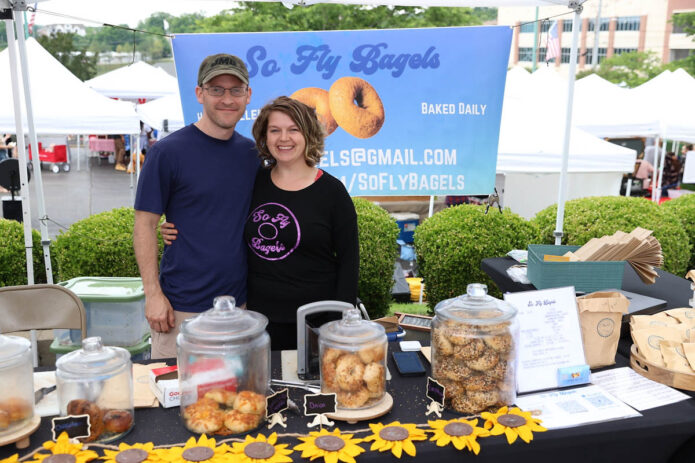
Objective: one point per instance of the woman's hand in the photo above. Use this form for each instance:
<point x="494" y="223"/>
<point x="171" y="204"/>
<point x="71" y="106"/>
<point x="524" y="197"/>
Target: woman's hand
<point x="168" y="232"/>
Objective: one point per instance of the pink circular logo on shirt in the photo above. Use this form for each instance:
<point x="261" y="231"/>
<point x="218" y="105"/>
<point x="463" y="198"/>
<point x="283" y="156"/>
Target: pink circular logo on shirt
<point x="277" y="231"/>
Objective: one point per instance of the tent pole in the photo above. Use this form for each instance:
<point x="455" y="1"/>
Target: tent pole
<point x="23" y="177"/>
<point x="661" y="172"/>
<point x="655" y="173"/>
<point x="79" y="151"/>
<point x="562" y="189"/>
<point x="38" y="182"/>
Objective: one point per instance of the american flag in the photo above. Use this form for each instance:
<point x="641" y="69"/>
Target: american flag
<point x="553" y="45"/>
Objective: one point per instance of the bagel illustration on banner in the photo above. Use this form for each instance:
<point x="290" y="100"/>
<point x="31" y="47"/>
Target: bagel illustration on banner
<point x="351" y="103"/>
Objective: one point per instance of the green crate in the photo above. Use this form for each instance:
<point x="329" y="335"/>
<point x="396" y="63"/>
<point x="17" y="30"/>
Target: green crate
<point x="138" y="352"/>
<point x="584" y="276"/>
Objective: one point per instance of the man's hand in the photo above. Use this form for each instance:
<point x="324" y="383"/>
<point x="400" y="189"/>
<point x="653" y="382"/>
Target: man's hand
<point x="159" y="313"/>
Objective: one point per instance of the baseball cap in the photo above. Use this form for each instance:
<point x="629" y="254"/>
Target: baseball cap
<point x="222" y="63"/>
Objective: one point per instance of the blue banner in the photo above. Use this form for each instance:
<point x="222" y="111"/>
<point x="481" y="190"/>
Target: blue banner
<point x="414" y="111"/>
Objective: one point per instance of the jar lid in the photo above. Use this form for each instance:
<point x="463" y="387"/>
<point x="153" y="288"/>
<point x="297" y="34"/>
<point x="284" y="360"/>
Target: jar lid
<point x="94" y="359"/>
<point x="352" y="329"/>
<point x="11" y="349"/>
<point x="224" y="323"/>
<point x="475" y="307"/>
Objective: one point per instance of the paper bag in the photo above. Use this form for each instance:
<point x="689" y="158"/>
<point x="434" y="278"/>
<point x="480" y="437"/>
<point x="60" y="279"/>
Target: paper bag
<point x="600" y="315"/>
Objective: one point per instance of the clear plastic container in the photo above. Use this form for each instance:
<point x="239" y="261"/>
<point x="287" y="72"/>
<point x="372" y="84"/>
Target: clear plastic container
<point x="97" y="380"/>
<point x="224" y="369"/>
<point x="17" y="380"/>
<point x="352" y="355"/>
<point x="474" y="350"/>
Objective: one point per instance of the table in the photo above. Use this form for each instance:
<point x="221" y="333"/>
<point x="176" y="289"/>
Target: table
<point x="665" y="434"/>
<point x="669" y="287"/>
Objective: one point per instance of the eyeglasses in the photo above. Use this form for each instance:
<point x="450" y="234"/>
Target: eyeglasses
<point x="219" y="91"/>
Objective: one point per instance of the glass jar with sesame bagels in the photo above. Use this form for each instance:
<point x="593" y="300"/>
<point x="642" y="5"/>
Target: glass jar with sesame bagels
<point x="352" y="358"/>
<point x="224" y="369"/>
<point x="474" y="350"/>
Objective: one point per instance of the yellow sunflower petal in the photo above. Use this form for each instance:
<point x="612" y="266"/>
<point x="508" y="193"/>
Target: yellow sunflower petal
<point x="511" y="435"/>
<point x="497" y="430"/>
<point x="273" y="438"/>
<point x="409" y="447"/>
<point x="443" y="440"/>
<point x="397" y="449"/>
<point x="525" y="433"/>
<point x="331" y="457"/>
<point x="535" y="427"/>
<point x="474" y="445"/>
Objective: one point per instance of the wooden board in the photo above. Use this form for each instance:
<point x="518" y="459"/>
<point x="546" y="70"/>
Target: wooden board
<point x="21" y="435"/>
<point x="660" y="374"/>
<point x="353" y="416"/>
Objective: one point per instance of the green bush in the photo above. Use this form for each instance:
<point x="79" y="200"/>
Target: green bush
<point x="100" y="245"/>
<point x="594" y="217"/>
<point x="451" y="244"/>
<point x="13" y="258"/>
<point x="684" y="207"/>
<point x="378" y="233"/>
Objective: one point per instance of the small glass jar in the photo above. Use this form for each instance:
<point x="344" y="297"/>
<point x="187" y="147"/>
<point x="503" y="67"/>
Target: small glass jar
<point x="224" y="369"/>
<point x="17" y="380"/>
<point x="352" y="355"/>
<point x="474" y="350"/>
<point x="97" y="380"/>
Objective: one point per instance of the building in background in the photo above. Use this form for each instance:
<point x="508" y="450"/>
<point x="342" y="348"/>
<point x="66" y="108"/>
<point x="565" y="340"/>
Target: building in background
<point x="624" y="26"/>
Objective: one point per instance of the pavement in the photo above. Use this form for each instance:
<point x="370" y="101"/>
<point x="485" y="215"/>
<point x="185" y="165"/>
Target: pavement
<point x="72" y="196"/>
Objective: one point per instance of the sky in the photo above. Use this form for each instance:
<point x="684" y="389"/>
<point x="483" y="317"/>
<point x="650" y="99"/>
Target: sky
<point x="120" y="11"/>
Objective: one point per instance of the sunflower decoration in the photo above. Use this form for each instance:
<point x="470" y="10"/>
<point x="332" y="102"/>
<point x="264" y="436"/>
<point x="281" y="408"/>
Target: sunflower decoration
<point x="395" y="437"/>
<point x="204" y="450"/>
<point x="64" y="451"/>
<point x="136" y="453"/>
<point x="260" y="450"/>
<point x="513" y="423"/>
<point x="332" y="446"/>
<point x="12" y="459"/>
<point x="459" y="432"/>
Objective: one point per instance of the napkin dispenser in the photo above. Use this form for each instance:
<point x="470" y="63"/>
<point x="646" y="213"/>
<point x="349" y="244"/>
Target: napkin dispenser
<point x="310" y="317"/>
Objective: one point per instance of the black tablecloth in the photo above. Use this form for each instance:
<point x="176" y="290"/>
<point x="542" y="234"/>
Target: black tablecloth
<point x="660" y="435"/>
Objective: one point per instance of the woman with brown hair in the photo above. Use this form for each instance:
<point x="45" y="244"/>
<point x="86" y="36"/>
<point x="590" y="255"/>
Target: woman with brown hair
<point x="301" y="230"/>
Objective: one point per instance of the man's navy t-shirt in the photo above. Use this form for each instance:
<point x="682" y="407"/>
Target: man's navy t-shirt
<point x="203" y="185"/>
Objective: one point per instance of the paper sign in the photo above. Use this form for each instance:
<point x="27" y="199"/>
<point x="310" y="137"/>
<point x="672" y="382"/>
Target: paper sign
<point x="75" y="425"/>
<point x="636" y="390"/>
<point x="549" y="336"/>
<point x="276" y="403"/>
<point x="319" y="404"/>
<point x="575" y="407"/>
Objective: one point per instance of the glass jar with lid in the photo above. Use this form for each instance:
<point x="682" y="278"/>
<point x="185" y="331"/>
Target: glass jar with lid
<point x="97" y="380"/>
<point x="352" y="354"/>
<point x="17" y="380"/>
<point x="224" y="369"/>
<point x="474" y="350"/>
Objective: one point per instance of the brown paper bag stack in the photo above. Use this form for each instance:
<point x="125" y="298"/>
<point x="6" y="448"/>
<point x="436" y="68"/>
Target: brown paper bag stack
<point x="638" y="247"/>
<point x="600" y="315"/>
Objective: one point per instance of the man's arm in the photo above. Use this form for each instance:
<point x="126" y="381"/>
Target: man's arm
<point x="158" y="310"/>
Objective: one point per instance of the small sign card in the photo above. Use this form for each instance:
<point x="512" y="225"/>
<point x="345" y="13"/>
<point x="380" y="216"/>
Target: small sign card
<point x="550" y="337"/>
<point x="320" y="404"/>
<point x="274" y="406"/>
<point x="75" y="425"/>
<point x="435" y="392"/>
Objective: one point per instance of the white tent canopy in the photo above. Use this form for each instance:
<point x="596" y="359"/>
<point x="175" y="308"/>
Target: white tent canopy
<point x="62" y="103"/>
<point x="155" y="112"/>
<point x="135" y="81"/>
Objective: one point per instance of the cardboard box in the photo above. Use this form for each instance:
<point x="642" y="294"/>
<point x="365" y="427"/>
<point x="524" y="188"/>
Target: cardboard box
<point x="164" y="383"/>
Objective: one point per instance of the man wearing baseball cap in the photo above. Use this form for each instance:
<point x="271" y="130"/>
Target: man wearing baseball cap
<point x="200" y="177"/>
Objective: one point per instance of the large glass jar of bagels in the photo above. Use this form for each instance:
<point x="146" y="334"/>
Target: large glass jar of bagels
<point x="474" y="350"/>
<point x="17" y="383"/>
<point x="352" y="357"/>
<point x="97" y="381"/>
<point x="224" y="369"/>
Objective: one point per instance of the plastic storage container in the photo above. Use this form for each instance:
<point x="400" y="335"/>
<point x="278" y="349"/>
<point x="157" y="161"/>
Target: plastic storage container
<point x="353" y="360"/>
<point x="115" y="309"/>
<point x="17" y="380"/>
<point x="407" y="222"/>
<point x="224" y="369"/>
<point x="474" y="350"/>
<point x="138" y="352"/>
<point x="97" y="380"/>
